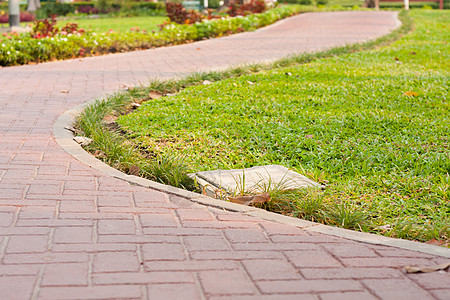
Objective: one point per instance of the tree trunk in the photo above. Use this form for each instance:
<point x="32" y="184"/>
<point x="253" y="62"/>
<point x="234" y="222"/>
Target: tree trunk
<point x="372" y="4"/>
<point x="33" y="5"/>
<point x="14" y="13"/>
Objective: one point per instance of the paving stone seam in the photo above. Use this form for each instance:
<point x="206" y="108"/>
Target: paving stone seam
<point x="64" y="138"/>
<point x="368" y="289"/>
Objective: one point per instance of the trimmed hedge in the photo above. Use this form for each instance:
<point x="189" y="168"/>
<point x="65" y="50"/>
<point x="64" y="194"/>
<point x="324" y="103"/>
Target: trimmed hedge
<point x="110" y="7"/>
<point x="301" y="2"/>
<point x="17" y="49"/>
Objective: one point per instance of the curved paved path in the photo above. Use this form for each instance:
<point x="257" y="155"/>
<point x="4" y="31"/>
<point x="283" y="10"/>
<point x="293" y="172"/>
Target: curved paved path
<point x="70" y="232"/>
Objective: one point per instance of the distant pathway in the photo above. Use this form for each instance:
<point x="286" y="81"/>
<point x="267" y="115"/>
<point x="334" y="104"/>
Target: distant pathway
<point x="68" y="231"/>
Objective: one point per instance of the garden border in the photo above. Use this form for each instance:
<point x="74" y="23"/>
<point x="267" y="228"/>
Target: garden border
<point x="64" y="138"/>
<point x="175" y="34"/>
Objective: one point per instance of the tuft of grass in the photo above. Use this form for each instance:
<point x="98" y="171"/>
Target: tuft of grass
<point x="112" y="147"/>
<point x="346" y="215"/>
<point x="405" y="229"/>
<point x="309" y="205"/>
<point x="169" y="169"/>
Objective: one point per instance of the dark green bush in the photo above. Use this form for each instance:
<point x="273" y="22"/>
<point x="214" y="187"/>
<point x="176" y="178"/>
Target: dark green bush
<point x="301" y="2"/>
<point x="52" y="8"/>
<point x="126" y="8"/>
<point x="214" y="3"/>
<point x="129" y="8"/>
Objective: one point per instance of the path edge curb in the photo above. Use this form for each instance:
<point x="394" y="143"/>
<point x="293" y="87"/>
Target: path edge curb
<point x="64" y="138"/>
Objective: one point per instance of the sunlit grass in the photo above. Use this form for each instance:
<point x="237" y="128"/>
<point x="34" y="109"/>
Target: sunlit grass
<point x="384" y="154"/>
<point x="103" y="25"/>
<point x="372" y="126"/>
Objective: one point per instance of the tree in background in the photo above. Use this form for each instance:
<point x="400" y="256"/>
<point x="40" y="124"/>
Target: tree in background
<point x="33" y="5"/>
<point x="372" y="4"/>
<point x="14" y="13"/>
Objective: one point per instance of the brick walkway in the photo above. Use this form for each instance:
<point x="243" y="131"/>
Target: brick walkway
<point x="70" y="232"/>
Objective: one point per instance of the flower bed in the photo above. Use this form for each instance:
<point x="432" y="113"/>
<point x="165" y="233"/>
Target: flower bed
<point x="24" y="17"/>
<point x="16" y="49"/>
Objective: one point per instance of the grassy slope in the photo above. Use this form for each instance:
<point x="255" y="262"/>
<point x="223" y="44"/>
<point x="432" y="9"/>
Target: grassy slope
<point x="102" y="25"/>
<point x="344" y="120"/>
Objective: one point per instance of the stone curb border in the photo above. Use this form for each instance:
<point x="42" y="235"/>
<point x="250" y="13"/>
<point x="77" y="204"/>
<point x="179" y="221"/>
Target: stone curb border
<point x="64" y="138"/>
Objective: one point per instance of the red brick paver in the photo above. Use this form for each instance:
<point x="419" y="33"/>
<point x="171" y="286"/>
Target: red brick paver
<point x="68" y="231"/>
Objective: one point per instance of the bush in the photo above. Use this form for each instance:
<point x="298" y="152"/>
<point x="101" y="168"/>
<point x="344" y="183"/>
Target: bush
<point x="178" y="14"/>
<point x="214" y="3"/>
<point x="55" y="9"/>
<point x="88" y="9"/>
<point x="24" y="17"/>
<point x="102" y="5"/>
<point x="129" y="8"/>
<point x="44" y="28"/>
<point x="252" y="7"/>
<point x="301" y="2"/>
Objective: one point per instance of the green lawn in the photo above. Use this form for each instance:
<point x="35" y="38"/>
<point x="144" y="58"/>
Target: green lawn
<point x="383" y="4"/>
<point x="347" y="121"/>
<point x="102" y="25"/>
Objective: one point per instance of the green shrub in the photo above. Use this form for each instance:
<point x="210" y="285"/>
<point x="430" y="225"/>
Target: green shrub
<point x="301" y="2"/>
<point x="60" y="9"/>
<point x="52" y="8"/>
<point x="132" y="8"/>
<point x="102" y="5"/>
<point x="123" y="8"/>
<point x="214" y="3"/>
